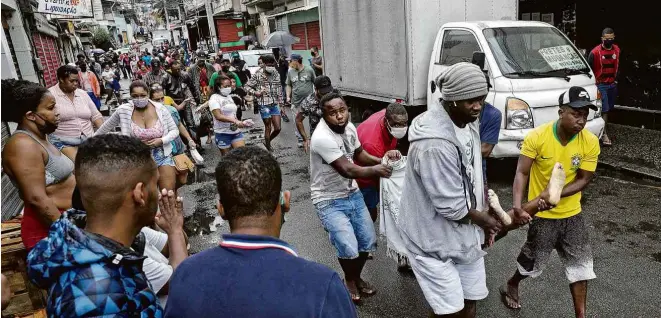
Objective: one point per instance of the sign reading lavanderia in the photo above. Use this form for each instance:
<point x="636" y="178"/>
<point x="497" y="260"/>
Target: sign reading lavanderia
<point x="72" y="8"/>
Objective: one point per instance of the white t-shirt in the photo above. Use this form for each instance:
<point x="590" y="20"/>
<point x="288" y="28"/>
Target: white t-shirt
<point x="227" y="107"/>
<point x="108" y="76"/>
<point x="156" y="266"/>
<point x="327" y="146"/>
<point x="466" y="140"/>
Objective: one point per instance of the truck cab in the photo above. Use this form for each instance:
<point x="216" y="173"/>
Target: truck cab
<point x="528" y="64"/>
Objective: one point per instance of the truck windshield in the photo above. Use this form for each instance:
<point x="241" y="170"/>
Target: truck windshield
<point x="534" y="52"/>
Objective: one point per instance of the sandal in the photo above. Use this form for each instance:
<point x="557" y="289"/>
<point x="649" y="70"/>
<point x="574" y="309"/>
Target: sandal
<point x="505" y="298"/>
<point x="365" y="288"/>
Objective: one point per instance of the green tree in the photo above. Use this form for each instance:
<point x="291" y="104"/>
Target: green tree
<point x="100" y="36"/>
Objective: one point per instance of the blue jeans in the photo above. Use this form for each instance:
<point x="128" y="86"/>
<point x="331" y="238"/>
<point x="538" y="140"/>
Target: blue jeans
<point x="269" y="110"/>
<point x="63" y="142"/>
<point x="371" y="196"/>
<point x="608" y="94"/>
<point x="225" y="141"/>
<point x="348" y="224"/>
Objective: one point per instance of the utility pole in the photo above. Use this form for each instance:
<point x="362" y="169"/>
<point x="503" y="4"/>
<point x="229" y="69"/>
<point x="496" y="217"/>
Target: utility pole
<point x="212" y="26"/>
<point x="167" y="19"/>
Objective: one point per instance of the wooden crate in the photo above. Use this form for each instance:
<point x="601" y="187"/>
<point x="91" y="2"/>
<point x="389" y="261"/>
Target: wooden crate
<point x="27" y="299"/>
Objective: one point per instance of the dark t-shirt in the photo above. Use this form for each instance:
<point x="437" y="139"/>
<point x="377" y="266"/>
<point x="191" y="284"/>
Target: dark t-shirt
<point x="255" y="276"/>
<point x="490" y="119"/>
<point x="317" y="60"/>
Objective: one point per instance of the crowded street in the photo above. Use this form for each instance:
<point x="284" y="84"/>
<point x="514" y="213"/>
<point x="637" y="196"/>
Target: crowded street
<point x="330" y="158"/>
<point x="625" y="231"/>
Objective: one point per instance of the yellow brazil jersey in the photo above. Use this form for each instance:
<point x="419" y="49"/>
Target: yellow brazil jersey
<point x="167" y="100"/>
<point x="543" y="146"/>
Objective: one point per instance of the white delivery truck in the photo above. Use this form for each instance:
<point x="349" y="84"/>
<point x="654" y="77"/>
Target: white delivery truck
<point x="159" y="36"/>
<point x="377" y="52"/>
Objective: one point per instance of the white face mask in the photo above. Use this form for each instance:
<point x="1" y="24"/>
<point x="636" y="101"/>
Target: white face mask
<point x="225" y="91"/>
<point x="398" y="132"/>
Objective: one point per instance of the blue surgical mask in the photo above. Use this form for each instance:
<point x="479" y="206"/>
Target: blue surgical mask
<point x="140" y="102"/>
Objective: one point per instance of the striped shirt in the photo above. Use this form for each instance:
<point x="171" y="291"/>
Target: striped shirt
<point x="75" y="117"/>
<point x="269" y="86"/>
<point x="122" y="117"/>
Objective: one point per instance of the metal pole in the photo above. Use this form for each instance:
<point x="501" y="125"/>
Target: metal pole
<point x="212" y="26"/>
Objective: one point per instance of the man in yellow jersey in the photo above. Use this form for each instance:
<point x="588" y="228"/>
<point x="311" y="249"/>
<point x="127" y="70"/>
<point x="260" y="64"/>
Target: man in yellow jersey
<point x="559" y="227"/>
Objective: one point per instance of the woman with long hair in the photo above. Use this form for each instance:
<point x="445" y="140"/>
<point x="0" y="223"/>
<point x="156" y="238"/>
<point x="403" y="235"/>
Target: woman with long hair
<point x="156" y="94"/>
<point x="43" y="175"/>
<point x="152" y="123"/>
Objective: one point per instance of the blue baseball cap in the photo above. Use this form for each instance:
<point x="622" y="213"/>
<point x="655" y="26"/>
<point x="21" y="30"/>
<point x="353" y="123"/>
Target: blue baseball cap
<point x="295" y="57"/>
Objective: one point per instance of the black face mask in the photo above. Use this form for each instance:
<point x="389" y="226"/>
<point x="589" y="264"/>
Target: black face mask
<point x="608" y="43"/>
<point x="83" y="69"/>
<point x="48" y="127"/>
<point x="225" y="68"/>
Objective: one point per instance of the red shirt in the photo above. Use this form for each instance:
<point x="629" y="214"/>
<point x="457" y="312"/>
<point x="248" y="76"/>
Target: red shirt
<point x="375" y="139"/>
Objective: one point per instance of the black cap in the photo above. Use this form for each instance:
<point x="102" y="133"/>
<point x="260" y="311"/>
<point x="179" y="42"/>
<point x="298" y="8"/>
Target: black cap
<point x="323" y="84"/>
<point x="576" y="97"/>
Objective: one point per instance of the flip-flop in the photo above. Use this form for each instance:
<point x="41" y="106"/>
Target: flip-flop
<point x="365" y="288"/>
<point x="606" y="141"/>
<point x="504" y="295"/>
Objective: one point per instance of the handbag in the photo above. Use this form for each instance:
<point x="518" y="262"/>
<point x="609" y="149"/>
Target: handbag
<point x="183" y="163"/>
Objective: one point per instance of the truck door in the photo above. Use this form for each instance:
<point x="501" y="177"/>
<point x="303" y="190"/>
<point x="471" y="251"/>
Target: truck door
<point x="456" y="45"/>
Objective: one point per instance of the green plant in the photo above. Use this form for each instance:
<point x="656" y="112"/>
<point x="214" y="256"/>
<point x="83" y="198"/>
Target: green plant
<point x="100" y="36"/>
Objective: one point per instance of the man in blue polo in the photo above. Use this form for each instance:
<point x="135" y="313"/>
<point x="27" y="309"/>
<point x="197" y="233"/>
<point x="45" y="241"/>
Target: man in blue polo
<point x="253" y="273"/>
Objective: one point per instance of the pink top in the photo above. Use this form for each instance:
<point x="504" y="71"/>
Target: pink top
<point x="75" y="117"/>
<point x="146" y="134"/>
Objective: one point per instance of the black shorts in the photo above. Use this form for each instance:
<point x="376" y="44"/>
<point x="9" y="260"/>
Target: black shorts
<point x="569" y="237"/>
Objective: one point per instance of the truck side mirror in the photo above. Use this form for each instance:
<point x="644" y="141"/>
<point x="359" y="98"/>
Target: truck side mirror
<point x="478" y="59"/>
<point x="432" y="85"/>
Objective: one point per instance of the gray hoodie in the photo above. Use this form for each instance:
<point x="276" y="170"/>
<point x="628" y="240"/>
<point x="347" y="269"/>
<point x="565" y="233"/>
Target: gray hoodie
<point x="436" y="195"/>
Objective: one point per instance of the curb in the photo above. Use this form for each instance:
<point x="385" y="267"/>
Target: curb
<point x="640" y="173"/>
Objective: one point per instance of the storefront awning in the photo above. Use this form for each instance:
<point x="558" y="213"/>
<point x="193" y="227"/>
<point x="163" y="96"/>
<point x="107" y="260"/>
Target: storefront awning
<point x="305" y="8"/>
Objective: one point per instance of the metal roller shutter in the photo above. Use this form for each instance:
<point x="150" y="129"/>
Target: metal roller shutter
<point x="47" y="51"/>
<point x="314" y="34"/>
<point x="229" y="32"/>
<point x="11" y="200"/>
<point x="298" y="30"/>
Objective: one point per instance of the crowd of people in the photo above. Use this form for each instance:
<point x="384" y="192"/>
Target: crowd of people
<point x="116" y="244"/>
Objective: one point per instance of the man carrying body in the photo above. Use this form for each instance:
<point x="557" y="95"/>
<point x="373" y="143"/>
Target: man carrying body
<point x="253" y="273"/>
<point x="562" y="227"/>
<point x="443" y="211"/>
<point x="94" y="271"/>
<point x="339" y="204"/>
<point x="300" y="84"/>
<point x="605" y="62"/>
<point x="265" y="86"/>
<point x="310" y="107"/>
<point x="378" y="135"/>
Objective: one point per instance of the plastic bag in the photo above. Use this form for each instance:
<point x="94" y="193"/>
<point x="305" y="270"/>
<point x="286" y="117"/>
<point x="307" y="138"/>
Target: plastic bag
<point x="197" y="157"/>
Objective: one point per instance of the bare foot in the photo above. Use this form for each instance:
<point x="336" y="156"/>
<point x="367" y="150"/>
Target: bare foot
<point x="509" y="296"/>
<point x="353" y="291"/>
<point x="497" y="209"/>
<point x="556" y="184"/>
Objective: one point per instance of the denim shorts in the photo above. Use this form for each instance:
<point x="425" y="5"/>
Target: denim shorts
<point x="371" y="196"/>
<point x="160" y="157"/>
<point x="63" y="142"/>
<point x="269" y="110"/>
<point x="225" y="141"/>
<point x="608" y="95"/>
<point x="348" y="224"/>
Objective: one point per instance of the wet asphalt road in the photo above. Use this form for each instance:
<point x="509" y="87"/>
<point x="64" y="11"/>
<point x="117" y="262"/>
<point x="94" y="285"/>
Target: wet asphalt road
<point x="624" y="224"/>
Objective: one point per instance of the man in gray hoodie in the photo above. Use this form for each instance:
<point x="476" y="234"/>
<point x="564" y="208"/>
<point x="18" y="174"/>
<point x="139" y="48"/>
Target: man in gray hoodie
<point x="443" y="219"/>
